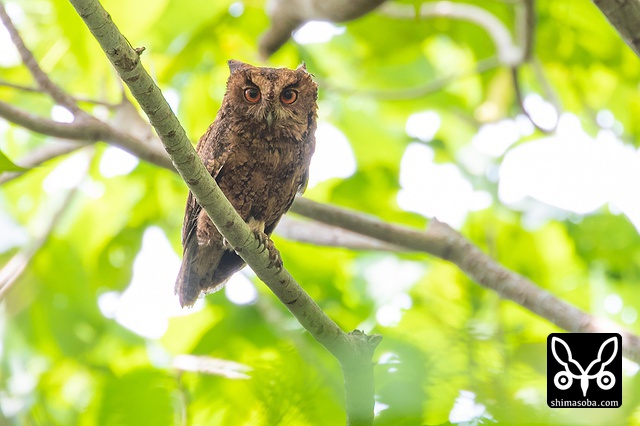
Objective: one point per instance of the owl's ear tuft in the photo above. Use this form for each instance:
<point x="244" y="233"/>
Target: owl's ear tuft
<point x="235" y="65"/>
<point x="302" y="67"/>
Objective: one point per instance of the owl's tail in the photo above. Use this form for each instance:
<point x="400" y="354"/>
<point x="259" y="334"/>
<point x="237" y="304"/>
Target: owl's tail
<point x="205" y="269"/>
<point x="197" y="271"/>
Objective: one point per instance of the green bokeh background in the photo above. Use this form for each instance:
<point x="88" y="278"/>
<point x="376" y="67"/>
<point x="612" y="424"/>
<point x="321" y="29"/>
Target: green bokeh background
<point x="64" y="363"/>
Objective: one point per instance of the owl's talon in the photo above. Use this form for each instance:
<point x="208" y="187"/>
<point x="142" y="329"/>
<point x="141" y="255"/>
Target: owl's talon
<point x="265" y="243"/>
<point x="277" y="264"/>
<point x="262" y="238"/>
<point x="226" y="244"/>
<point x="274" y="255"/>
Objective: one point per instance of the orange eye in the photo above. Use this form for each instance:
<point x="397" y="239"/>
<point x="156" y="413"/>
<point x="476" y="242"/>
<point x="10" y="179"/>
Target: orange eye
<point x="288" y="96"/>
<point x="252" y="95"/>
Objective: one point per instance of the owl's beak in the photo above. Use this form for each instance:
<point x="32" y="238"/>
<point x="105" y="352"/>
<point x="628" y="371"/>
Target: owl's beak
<point x="270" y="118"/>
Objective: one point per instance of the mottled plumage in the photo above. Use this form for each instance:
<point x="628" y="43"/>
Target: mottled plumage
<point x="258" y="150"/>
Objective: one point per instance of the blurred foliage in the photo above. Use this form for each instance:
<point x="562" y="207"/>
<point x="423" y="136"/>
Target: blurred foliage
<point x="66" y="361"/>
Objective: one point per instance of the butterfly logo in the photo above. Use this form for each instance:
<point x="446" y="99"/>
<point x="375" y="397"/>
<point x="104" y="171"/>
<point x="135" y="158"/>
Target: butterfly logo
<point x="564" y="379"/>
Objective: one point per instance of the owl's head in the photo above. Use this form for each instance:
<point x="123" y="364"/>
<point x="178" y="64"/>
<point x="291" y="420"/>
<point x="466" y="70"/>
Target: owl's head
<point x="280" y="100"/>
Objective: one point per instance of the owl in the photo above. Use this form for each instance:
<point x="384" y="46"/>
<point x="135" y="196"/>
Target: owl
<point x="258" y="150"/>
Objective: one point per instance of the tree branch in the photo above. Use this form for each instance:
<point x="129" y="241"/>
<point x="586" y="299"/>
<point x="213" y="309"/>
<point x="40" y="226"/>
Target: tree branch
<point x="89" y="129"/>
<point x="625" y="17"/>
<point x="350" y="349"/>
<point x="78" y="99"/>
<point x="79" y="131"/>
<point x="508" y="52"/>
<point x="84" y="127"/>
<point x="39" y="156"/>
<point x="41" y="78"/>
<point x="444" y="242"/>
<point x="14" y="268"/>
<point x="517" y="88"/>
<point x="526" y="27"/>
<point x="321" y="234"/>
<point x="432" y="86"/>
<point x="4" y="83"/>
<point x="288" y="15"/>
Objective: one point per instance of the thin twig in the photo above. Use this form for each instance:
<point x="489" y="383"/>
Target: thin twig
<point x="13" y="269"/>
<point x="288" y="15"/>
<point x="549" y="92"/>
<point x="515" y="79"/>
<point x="183" y="394"/>
<point x="507" y="51"/>
<point x="20" y="87"/>
<point x="89" y="129"/>
<point x="432" y="86"/>
<point x="526" y="27"/>
<point x="46" y="126"/>
<point x="41" y="78"/>
<point x="41" y="155"/>
<point x="78" y="99"/>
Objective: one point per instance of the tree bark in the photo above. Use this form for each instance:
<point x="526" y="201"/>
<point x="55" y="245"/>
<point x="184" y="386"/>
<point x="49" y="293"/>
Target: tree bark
<point x="624" y="15"/>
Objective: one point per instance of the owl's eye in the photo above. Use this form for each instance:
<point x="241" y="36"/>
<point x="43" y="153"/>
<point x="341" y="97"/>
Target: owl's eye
<point x="252" y="95"/>
<point x="288" y="96"/>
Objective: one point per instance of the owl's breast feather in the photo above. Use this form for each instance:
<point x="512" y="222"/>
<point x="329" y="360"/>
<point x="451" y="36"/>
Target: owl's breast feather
<point x="261" y="182"/>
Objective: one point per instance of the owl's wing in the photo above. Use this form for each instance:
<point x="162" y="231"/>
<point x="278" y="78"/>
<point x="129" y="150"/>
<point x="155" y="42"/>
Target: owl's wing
<point x="193" y="209"/>
<point x="190" y="218"/>
<point x="299" y="190"/>
<point x="304" y="181"/>
<point x="214" y="156"/>
<point x="199" y="261"/>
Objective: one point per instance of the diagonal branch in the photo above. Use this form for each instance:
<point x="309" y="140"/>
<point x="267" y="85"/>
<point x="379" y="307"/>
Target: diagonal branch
<point x="32" y="89"/>
<point x="353" y="350"/>
<point x="127" y="63"/>
<point x="444" y="242"/>
<point x="625" y="18"/>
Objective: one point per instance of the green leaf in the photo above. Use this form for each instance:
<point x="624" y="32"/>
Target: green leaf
<point x="7" y="165"/>
<point x="140" y="397"/>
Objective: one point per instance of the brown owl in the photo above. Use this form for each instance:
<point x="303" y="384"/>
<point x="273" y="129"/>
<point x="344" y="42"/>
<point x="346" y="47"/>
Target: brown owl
<point x="258" y="150"/>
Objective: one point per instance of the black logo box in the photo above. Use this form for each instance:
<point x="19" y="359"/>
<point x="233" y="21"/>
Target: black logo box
<point x="584" y="370"/>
